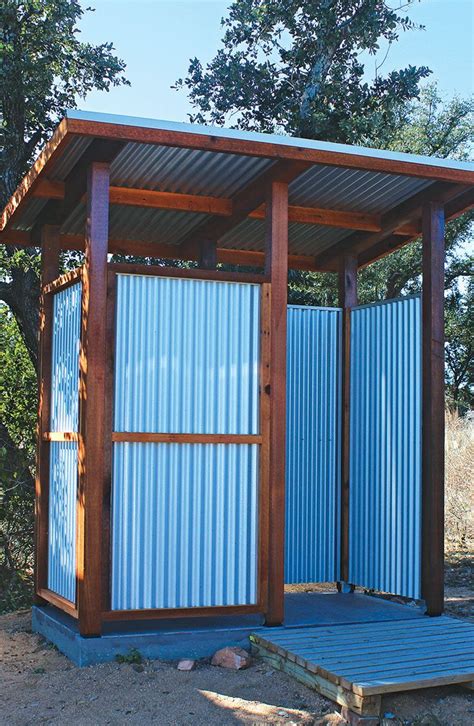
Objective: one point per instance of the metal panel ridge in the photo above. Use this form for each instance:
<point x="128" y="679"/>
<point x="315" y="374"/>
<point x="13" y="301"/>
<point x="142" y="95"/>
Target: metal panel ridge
<point x="187" y="356"/>
<point x="385" y="447"/>
<point x="313" y="444"/>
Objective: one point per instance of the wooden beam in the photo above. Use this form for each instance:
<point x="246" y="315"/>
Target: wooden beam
<point x="276" y="267"/>
<point x="402" y="214"/>
<point x="152" y="199"/>
<point x="208" y="254"/>
<point x="244" y="202"/>
<point x="347" y="300"/>
<point x="433" y="409"/>
<point x="93" y="366"/>
<point x="50" y="249"/>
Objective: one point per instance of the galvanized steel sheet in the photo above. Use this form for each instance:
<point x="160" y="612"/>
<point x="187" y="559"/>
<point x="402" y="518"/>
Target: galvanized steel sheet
<point x="65" y="359"/>
<point x="313" y="444"/>
<point x="187" y="356"/>
<point x="184" y="525"/>
<point x="62" y="519"/>
<point x="385" y="447"/>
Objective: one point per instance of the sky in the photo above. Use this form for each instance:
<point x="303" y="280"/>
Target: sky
<point x="157" y="38"/>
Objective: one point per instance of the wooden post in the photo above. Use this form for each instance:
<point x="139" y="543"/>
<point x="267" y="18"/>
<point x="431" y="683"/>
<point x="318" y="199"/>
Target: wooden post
<point x="276" y="267"/>
<point x="93" y="367"/>
<point x="50" y="249"/>
<point x="208" y="254"/>
<point x="347" y="300"/>
<point x="433" y="409"/>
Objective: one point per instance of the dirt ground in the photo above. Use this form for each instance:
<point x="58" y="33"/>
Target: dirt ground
<point x="40" y="686"/>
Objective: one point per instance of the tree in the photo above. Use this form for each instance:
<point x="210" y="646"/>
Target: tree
<point x="44" y="69"/>
<point x="299" y="67"/>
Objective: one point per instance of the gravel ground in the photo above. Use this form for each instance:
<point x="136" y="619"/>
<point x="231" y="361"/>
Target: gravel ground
<point x="40" y="686"/>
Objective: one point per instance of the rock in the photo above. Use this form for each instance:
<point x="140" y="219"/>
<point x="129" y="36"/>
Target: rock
<point x="186" y="665"/>
<point x="231" y="657"/>
<point x="138" y="667"/>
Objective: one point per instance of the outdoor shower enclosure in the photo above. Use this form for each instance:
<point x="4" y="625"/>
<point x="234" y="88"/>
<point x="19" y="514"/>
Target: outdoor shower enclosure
<point x="200" y="442"/>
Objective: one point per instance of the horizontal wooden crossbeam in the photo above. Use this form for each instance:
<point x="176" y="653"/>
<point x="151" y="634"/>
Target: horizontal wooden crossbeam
<point x="153" y="438"/>
<point x="151" y="199"/>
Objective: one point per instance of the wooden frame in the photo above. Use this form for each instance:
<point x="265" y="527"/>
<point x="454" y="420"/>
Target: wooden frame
<point x="433" y="409"/>
<point x="347" y="300"/>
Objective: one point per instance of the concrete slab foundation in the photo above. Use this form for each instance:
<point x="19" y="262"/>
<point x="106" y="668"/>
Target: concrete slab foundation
<point x="201" y="637"/>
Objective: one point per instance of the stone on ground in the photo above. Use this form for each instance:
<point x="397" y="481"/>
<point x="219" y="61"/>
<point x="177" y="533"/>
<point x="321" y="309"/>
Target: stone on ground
<point x="231" y="657"/>
<point x="186" y="664"/>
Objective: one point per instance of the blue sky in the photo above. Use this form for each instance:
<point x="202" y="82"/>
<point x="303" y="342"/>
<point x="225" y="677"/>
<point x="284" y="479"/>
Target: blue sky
<point x="156" y="38"/>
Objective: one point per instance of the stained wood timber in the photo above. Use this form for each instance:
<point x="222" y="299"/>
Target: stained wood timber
<point x="264" y="460"/>
<point x="108" y="445"/>
<point x="347" y="300"/>
<point x="245" y="201"/>
<point x="196" y="273"/>
<point x="58" y="601"/>
<point x="208" y="254"/>
<point x="433" y="409"/>
<point x="147" y="198"/>
<point x="93" y="366"/>
<point x="166" y="613"/>
<point x="250" y="147"/>
<point x="404" y="213"/>
<point x="61" y="436"/>
<point x="276" y="267"/>
<point x="50" y="248"/>
<point x="63" y="281"/>
<point x="157" y="438"/>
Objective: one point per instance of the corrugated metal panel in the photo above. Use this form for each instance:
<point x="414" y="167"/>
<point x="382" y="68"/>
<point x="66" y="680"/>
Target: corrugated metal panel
<point x="313" y="444"/>
<point x="184" y="523"/>
<point x="385" y="447"/>
<point x="65" y="359"/>
<point x="187" y="356"/>
<point x="62" y="519"/>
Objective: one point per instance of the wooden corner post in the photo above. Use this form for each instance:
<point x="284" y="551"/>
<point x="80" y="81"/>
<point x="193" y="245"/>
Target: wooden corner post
<point x="50" y="249"/>
<point x="93" y="367"/>
<point x="276" y="267"/>
<point x="433" y="409"/>
<point x="347" y="300"/>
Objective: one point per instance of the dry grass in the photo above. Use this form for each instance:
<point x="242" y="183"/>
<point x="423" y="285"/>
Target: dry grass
<point x="459" y="483"/>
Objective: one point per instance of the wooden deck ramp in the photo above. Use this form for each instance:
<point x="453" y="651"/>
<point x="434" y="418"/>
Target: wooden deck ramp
<point x="355" y="664"/>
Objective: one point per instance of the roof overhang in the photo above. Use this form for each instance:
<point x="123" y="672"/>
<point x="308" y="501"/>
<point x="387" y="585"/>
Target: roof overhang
<point x="173" y="184"/>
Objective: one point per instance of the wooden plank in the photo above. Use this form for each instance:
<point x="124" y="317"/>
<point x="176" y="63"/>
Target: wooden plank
<point x="342" y="696"/>
<point x="388" y="669"/>
<point x="58" y="601"/>
<point x="60" y="283"/>
<point x="264" y="459"/>
<point x="61" y="436"/>
<point x="192" y="273"/>
<point x="142" y="437"/>
<point x="347" y="300"/>
<point x="93" y="366"/>
<point x="432" y="568"/>
<point x="165" y="613"/>
<point x="50" y="249"/>
<point x="276" y="266"/>
<point x="413" y="683"/>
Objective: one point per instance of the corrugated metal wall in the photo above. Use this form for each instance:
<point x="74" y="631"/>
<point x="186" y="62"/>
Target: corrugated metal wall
<point x="63" y="454"/>
<point x="62" y="519"/>
<point x="65" y="362"/>
<point x="313" y="444"/>
<point x="187" y="356"/>
<point x="184" y="525"/>
<point x="385" y="447"/>
<point x="185" y="516"/>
